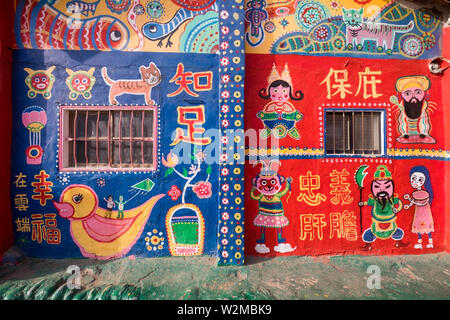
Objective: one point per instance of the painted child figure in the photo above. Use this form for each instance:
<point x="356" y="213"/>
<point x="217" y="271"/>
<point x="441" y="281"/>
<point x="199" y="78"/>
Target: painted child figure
<point x="271" y="213"/>
<point x="385" y="206"/>
<point x="279" y="116"/>
<point x="110" y="204"/>
<point x="421" y="197"/>
<point x="120" y="206"/>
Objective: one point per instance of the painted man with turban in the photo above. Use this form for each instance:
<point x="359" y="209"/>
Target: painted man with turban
<point x="413" y="120"/>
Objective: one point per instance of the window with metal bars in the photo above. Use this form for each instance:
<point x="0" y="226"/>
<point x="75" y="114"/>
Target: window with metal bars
<point x="354" y="132"/>
<point x="107" y="138"/>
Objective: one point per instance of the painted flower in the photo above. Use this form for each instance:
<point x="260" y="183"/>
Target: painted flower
<point x="200" y="155"/>
<point x="225" y="187"/>
<point x="224" y="157"/>
<point x="155" y="240"/>
<point x="225" y="216"/>
<point x="193" y="170"/>
<point x="224" y="242"/>
<point x="225" y="30"/>
<point x="224" y="230"/>
<point x="224" y="61"/>
<point x="224" y="171"/>
<point x="174" y="193"/>
<point x="225" y="108"/>
<point x="224" y="14"/>
<point x="202" y="189"/>
<point x="224" y="139"/>
<point x="224" y="45"/>
<point x="225" y="78"/>
<point x="224" y="254"/>
<point x="225" y="201"/>
<point x="172" y="160"/>
<point x="225" y="94"/>
<point x="225" y="123"/>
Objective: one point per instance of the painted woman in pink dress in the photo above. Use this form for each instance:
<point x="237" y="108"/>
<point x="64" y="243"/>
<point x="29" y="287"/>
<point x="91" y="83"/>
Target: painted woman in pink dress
<point x="421" y="197"/>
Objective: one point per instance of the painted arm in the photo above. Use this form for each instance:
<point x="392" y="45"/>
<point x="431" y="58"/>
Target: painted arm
<point x="253" y="196"/>
<point x="286" y="188"/>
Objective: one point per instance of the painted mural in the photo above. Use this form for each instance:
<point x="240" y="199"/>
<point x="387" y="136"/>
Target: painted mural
<point x="95" y="171"/>
<point x="373" y="28"/>
<point x="102" y="188"/>
<point x="118" y="25"/>
<point x="361" y="179"/>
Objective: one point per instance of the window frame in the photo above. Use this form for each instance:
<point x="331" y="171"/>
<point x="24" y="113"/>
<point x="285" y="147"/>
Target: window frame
<point x="383" y="135"/>
<point x="64" y="127"/>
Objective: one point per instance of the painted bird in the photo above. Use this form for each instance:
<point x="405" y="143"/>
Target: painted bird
<point x="96" y="236"/>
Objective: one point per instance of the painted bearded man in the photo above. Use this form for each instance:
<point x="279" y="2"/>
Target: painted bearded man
<point x="413" y="120"/>
<point x="385" y="206"/>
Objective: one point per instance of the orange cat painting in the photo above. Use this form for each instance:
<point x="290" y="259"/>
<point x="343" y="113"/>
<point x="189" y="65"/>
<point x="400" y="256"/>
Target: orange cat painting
<point x="150" y="77"/>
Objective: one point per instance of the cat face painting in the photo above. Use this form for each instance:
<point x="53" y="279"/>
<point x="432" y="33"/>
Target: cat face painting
<point x="352" y="17"/>
<point x="150" y="77"/>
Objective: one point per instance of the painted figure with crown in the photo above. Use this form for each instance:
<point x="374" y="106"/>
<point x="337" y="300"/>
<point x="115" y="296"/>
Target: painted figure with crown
<point x="385" y="206"/>
<point x="279" y="116"/>
<point x="268" y="190"/>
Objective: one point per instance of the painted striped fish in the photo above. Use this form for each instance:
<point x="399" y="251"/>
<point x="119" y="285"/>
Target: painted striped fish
<point x="38" y="25"/>
<point x="78" y="6"/>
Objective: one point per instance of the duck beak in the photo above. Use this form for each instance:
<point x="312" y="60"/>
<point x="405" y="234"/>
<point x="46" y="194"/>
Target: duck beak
<point x="65" y="210"/>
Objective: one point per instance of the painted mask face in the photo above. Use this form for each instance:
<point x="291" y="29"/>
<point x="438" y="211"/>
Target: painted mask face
<point x="40" y="81"/>
<point x="417" y="180"/>
<point x="268" y="185"/>
<point x="279" y="94"/>
<point x="383" y="189"/>
<point x="80" y="82"/>
<point x="155" y="9"/>
<point x="413" y="94"/>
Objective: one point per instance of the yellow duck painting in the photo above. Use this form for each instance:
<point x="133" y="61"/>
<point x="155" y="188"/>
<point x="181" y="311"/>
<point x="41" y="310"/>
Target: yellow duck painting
<point x="99" y="237"/>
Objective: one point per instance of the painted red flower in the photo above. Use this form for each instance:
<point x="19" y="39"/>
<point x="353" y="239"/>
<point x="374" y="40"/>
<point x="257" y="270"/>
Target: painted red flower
<point x="174" y="193"/>
<point x="202" y="189"/>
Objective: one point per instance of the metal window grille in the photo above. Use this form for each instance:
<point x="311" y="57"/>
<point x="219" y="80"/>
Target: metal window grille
<point x="351" y="132"/>
<point x="103" y="138"/>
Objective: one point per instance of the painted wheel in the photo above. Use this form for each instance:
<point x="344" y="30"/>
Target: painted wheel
<point x="269" y="27"/>
<point x="280" y="130"/>
<point x="411" y="45"/>
<point x="309" y="13"/>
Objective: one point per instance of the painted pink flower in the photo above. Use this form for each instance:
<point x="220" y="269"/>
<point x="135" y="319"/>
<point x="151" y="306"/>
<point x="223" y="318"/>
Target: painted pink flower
<point x="174" y="193"/>
<point x="224" y="45"/>
<point x="202" y="189"/>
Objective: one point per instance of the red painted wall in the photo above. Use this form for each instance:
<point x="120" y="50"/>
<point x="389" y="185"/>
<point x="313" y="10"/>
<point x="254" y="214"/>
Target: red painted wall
<point x="6" y="40"/>
<point x="322" y="234"/>
<point x="446" y="103"/>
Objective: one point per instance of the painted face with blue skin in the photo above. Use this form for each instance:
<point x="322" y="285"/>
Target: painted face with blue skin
<point x="155" y="9"/>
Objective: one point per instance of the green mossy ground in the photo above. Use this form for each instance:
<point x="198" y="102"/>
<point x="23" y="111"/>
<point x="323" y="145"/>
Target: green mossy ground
<point x="285" y="278"/>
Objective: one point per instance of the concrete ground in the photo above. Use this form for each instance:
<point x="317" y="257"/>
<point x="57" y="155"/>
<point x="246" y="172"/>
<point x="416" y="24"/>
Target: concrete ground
<point x="199" y="278"/>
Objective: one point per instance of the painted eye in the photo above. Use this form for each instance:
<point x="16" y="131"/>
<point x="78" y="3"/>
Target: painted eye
<point x="264" y="182"/>
<point x="37" y="80"/>
<point x="44" y="79"/>
<point x="115" y="36"/>
<point x="273" y="182"/>
<point x="84" y="81"/>
<point x="77" y="81"/>
<point x="418" y="91"/>
<point x="153" y="29"/>
<point x="77" y="198"/>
